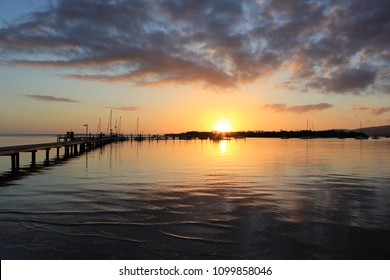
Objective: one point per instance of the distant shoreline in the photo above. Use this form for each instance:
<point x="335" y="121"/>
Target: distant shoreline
<point x="305" y="134"/>
<point x="331" y="133"/>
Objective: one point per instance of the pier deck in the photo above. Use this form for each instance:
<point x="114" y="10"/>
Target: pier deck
<point x="71" y="147"/>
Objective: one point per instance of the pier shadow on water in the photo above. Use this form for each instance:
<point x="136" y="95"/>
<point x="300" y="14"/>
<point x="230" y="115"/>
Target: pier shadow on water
<point x="9" y="177"/>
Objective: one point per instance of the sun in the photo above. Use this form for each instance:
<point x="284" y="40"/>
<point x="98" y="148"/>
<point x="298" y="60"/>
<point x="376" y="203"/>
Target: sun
<point x="223" y="126"/>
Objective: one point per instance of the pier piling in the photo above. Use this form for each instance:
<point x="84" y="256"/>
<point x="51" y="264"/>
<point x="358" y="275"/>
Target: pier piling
<point x="15" y="162"/>
<point x="33" y="158"/>
<point x="47" y="155"/>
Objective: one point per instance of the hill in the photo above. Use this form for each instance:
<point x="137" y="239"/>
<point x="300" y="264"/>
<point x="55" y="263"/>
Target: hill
<point x="376" y="130"/>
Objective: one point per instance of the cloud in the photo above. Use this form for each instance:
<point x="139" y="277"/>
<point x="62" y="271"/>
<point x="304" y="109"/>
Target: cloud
<point x="126" y="108"/>
<point x="308" y="108"/>
<point x="372" y="110"/>
<point x="380" y="110"/>
<point x="297" y="109"/>
<point x="360" y="108"/>
<point x="279" y="107"/>
<point x="346" y="80"/>
<point x="49" y="98"/>
<point x="327" y="46"/>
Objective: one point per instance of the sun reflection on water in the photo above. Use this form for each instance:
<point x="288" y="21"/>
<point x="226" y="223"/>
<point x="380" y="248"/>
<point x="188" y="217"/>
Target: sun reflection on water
<point x="223" y="146"/>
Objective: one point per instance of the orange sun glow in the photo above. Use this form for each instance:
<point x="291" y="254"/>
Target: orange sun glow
<point x="223" y="126"/>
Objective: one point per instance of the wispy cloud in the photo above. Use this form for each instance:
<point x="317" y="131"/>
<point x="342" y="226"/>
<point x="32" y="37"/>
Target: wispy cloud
<point x="372" y="110"/>
<point x="49" y="98"/>
<point x="361" y="108"/>
<point x="380" y="110"/>
<point x="328" y="46"/>
<point x="127" y="108"/>
<point x="280" y="107"/>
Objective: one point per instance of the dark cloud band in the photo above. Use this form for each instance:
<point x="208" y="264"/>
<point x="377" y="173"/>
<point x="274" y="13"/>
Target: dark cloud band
<point x="49" y="98"/>
<point x="328" y="46"/>
<point x="127" y="108"/>
<point x="280" y="107"/>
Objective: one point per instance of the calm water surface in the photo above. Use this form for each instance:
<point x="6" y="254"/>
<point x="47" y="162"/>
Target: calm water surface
<point x="237" y="199"/>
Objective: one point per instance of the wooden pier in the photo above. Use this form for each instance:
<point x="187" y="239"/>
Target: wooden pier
<point x="71" y="147"/>
<point x="73" y="144"/>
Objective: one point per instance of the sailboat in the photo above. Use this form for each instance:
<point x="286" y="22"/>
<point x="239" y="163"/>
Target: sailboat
<point x="362" y="136"/>
<point x="117" y="135"/>
<point x="307" y="136"/>
<point x="138" y="136"/>
<point x="284" y="134"/>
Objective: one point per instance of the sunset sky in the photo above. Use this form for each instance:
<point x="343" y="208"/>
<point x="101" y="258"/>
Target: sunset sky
<point x="192" y="65"/>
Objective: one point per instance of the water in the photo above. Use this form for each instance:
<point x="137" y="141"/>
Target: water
<point x="21" y="139"/>
<point x="237" y="199"/>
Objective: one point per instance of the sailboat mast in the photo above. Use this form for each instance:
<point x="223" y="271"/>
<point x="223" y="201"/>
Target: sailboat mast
<point x="99" y="128"/>
<point x="120" y="124"/>
<point x="109" y="126"/>
<point x="110" y="122"/>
